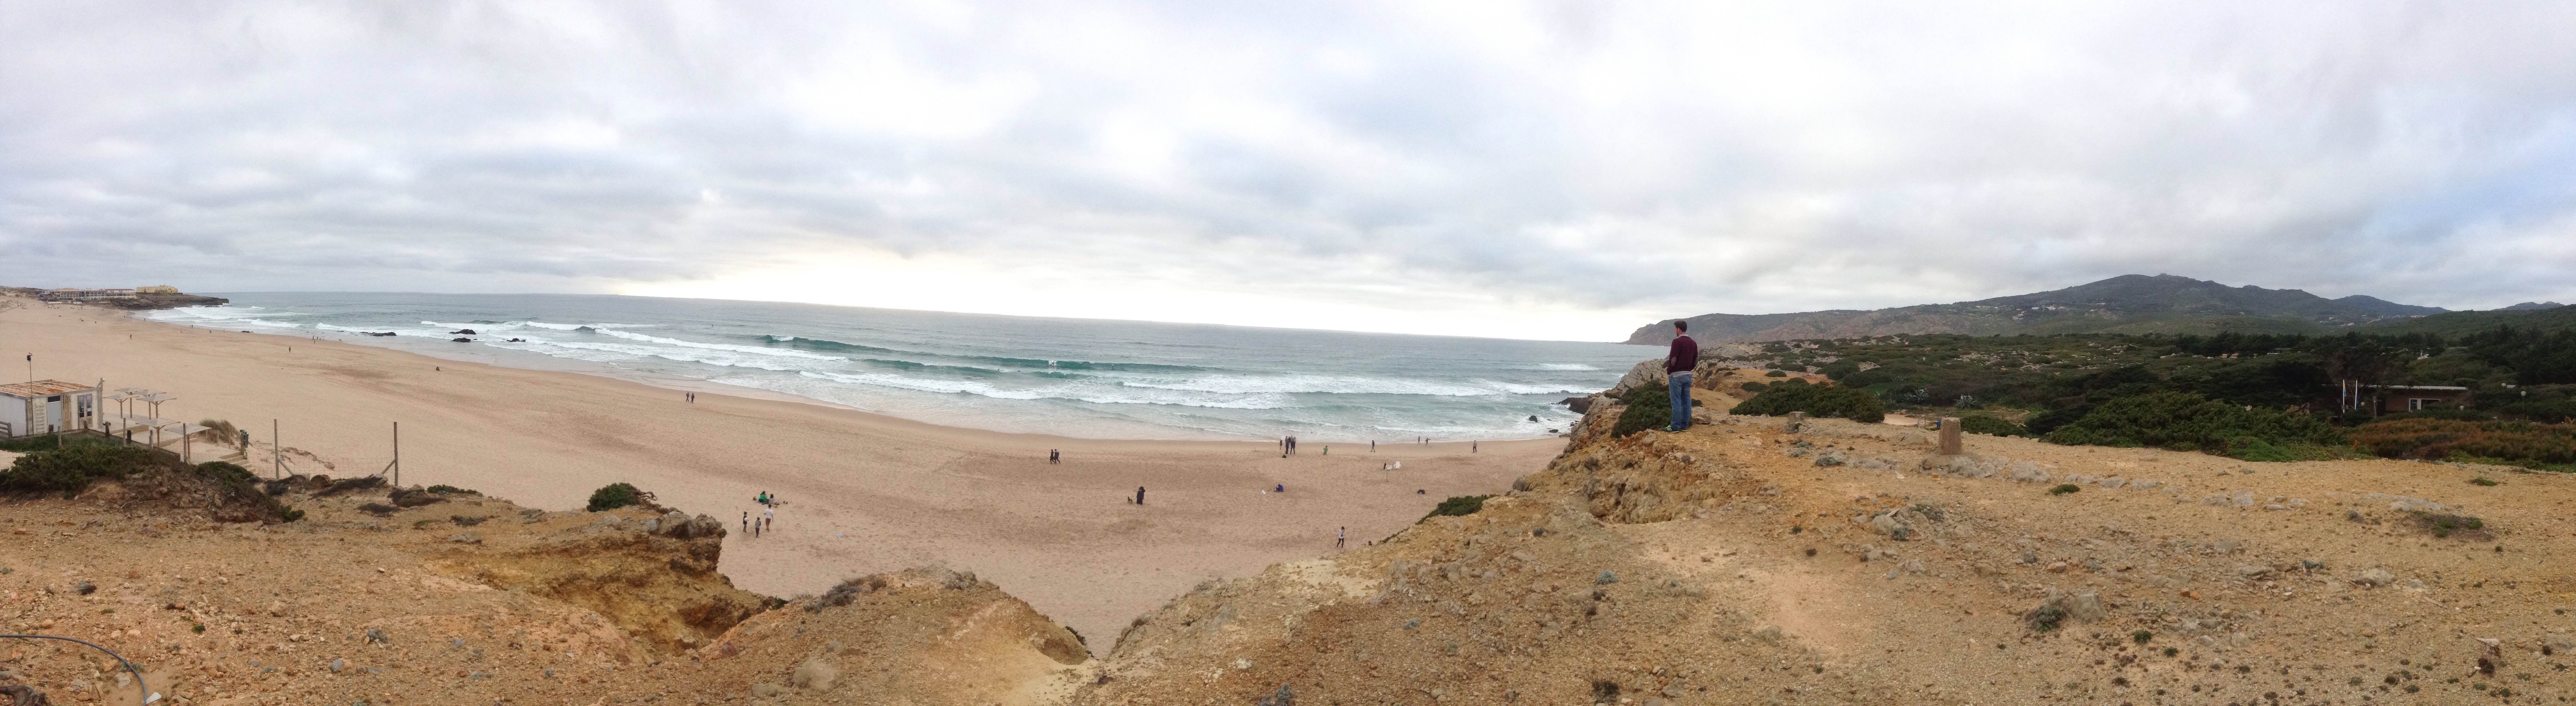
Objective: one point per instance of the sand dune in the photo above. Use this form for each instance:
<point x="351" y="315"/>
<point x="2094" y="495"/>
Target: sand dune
<point x="863" y="492"/>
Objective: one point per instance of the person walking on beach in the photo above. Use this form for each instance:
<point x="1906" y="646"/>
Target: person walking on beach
<point x="1340" y="536"/>
<point x="746" y="522"/>
<point x="1677" y="367"/>
<point x="769" y="517"/>
<point x="1140" y="495"/>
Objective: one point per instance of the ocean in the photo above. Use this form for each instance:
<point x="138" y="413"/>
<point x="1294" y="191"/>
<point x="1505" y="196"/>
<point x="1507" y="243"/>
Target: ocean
<point x="1071" y="377"/>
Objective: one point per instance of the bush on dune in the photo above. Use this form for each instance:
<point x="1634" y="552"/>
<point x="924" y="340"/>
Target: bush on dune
<point x="1990" y="424"/>
<point x="613" y="496"/>
<point x="1817" y="401"/>
<point x="2519" y="443"/>
<point x="2550" y="411"/>
<point x="2183" y="421"/>
<point x="1647" y="408"/>
<point x="73" y="465"/>
<point x="1456" y="506"/>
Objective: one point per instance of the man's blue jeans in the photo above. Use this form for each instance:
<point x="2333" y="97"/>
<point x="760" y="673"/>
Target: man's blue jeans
<point x="1681" y="401"/>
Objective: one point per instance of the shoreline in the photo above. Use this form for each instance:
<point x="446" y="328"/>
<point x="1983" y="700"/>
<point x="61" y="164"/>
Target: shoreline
<point x="682" y="383"/>
<point x="864" y="492"/>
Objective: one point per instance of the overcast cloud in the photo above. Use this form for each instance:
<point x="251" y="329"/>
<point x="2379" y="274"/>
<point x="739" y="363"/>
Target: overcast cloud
<point x="1559" y="170"/>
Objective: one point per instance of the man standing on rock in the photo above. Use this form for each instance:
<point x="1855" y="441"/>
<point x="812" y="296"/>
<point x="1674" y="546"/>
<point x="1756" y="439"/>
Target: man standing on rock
<point x="1677" y="367"/>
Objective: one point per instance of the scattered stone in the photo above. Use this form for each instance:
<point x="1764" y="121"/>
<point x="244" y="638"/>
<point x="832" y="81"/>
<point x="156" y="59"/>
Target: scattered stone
<point x="1607" y="576"/>
<point x="765" y="690"/>
<point x="2145" y="484"/>
<point x="339" y="664"/>
<point x="2375" y="578"/>
<point x="2558" y="643"/>
<point x="2251" y="571"/>
<point x="1282" y="697"/>
<point x="85" y="588"/>
<point x="2027" y="472"/>
<point x="815" y="674"/>
<point x="465" y="538"/>
<point x="1830" y="458"/>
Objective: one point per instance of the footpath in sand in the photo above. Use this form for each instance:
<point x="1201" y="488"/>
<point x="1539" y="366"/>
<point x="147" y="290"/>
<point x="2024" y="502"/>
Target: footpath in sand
<point x="864" y="493"/>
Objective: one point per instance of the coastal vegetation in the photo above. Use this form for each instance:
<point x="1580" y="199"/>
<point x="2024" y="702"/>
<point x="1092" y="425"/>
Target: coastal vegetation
<point x="1457" y="506"/>
<point x="2522" y="443"/>
<point x="70" y="466"/>
<point x="613" y="496"/>
<point x="2183" y="421"/>
<point x="2251" y="396"/>
<point x="1795" y="395"/>
<point x="1647" y="407"/>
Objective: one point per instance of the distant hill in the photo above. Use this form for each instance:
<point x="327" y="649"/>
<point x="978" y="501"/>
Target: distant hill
<point x="2460" y="323"/>
<point x="2531" y="306"/>
<point x="2123" y="304"/>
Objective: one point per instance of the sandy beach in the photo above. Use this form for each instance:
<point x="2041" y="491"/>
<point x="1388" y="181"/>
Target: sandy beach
<point x="862" y="492"/>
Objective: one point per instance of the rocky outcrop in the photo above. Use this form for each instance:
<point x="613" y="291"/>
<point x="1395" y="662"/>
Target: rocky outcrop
<point x="655" y="575"/>
<point x="923" y="636"/>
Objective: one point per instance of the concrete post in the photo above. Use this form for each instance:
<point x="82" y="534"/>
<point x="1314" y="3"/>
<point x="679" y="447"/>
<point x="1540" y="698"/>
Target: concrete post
<point x="1950" y="436"/>
<point x="1797" y="421"/>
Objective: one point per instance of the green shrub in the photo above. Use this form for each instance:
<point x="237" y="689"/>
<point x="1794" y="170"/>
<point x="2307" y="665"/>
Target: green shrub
<point x="2450" y="413"/>
<point x="2549" y="412"/>
<point x="227" y="472"/>
<point x="1647" y="408"/>
<point x="2259" y="450"/>
<point x="1775" y="374"/>
<point x="1456" y="506"/>
<point x="1839" y="369"/>
<point x="1752" y="387"/>
<point x="2183" y="421"/>
<point x="1817" y="401"/>
<point x="2519" y="443"/>
<point x="1990" y="424"/>
<point x="2064" y="488"/>
<point x="613" y="496"/>
<point x="72" y="466"/>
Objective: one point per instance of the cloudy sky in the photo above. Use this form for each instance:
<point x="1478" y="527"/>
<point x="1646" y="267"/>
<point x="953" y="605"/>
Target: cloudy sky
<point x="1519" y="169"/>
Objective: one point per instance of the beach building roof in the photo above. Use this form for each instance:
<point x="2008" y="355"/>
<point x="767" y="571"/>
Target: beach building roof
<point x="40" y="388"/>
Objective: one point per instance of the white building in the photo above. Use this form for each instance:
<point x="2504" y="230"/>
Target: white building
<point x="45" y="406"/>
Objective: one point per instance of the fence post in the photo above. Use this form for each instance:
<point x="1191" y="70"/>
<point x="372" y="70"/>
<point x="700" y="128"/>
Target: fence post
<point x="1950" y="436"/>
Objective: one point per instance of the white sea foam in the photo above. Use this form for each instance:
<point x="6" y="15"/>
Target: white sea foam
<point x="1081" y="392"/>
<point x="1342" y="385"/>
<point x="707" y="356"/>
<point x="1115" y="381"/>
<point x="781" y="352"/>
<point x="231" y="316"/>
